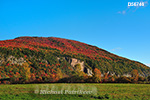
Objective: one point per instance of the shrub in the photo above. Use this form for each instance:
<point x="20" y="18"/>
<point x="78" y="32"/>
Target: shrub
<point x="123" y="80"/>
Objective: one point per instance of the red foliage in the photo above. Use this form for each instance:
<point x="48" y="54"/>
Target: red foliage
<point x="64" y="45"/>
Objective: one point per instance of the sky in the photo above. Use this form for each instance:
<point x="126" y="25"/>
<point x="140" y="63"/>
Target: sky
<point x="107" y="24"/>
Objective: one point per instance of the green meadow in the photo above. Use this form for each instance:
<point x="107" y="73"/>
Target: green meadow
<point x="101" y="91"/>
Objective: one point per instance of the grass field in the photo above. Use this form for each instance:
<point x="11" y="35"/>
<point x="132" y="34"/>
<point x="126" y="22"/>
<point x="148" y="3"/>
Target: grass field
<point x="101" y="91"/>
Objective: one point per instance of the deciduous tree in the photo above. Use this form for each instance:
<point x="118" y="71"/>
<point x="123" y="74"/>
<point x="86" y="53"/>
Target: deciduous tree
<point x="135" y="75"/>
<point x="97" y="75"/>
<point x="26" y="72"/>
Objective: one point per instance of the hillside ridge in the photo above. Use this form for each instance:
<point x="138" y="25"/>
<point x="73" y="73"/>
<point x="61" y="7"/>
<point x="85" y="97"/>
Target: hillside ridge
<point x="41" y="55"/>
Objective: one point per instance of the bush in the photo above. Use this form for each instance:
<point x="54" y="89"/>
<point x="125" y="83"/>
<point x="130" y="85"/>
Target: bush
<point x="123" y="80"/>
<point x="141" y="79"/>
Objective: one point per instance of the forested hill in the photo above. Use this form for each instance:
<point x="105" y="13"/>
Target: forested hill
<point x="46" y="54"/>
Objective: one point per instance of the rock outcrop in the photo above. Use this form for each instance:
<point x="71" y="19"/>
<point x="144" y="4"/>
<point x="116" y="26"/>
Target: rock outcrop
<point x="74" y="61"/>
<point x="12" y="60"/>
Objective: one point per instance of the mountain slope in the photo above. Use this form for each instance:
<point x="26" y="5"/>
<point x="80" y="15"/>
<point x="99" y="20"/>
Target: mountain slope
<point x="52" y="53"/>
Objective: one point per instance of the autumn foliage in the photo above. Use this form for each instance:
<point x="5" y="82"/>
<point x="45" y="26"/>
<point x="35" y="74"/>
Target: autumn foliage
<point x="135" y="75"/>
<point x="42" y="65"/>
<point x="97" y="75"/>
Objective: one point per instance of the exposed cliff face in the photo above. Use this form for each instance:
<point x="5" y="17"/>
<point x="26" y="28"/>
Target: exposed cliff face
<point x="74" y="61"/>
<point x="12" y="60"/>
<point x="127" y="75"/>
